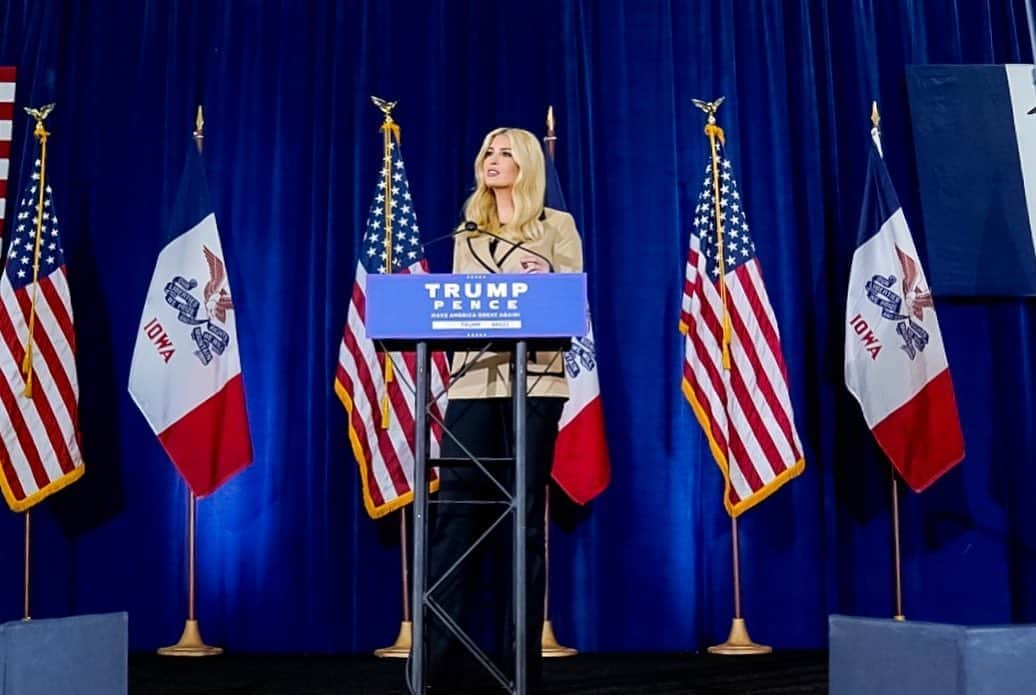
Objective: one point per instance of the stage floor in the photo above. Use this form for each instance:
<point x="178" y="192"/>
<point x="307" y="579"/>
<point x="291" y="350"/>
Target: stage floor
<point x="783" y="673"/>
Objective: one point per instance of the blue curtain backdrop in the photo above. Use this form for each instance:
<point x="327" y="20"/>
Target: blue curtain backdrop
<point x="288" y="561"/>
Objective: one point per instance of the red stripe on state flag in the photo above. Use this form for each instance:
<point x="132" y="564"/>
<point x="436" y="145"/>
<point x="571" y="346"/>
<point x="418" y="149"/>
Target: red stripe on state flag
<point x="582" y="439"/>
<point x="6" y="110"/>
<point x="922" y="437"/>
<point x="211" y="443"/>
<point x="7" y="74"/>
<point x="5" y="151"/>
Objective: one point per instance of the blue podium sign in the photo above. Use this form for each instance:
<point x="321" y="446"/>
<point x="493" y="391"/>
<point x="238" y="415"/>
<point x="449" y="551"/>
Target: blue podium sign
<point x="432" y="307"/>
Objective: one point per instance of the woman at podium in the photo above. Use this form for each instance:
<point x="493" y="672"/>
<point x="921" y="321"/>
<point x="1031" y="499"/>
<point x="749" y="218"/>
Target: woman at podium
<point x="507" y="229"/>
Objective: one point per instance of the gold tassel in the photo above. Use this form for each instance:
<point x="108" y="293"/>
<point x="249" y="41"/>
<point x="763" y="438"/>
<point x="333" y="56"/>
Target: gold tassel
<point x="386" y="411"/>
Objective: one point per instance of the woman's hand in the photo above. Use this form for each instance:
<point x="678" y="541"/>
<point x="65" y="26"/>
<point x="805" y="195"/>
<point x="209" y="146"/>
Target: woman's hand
<point x="532" y="264"/>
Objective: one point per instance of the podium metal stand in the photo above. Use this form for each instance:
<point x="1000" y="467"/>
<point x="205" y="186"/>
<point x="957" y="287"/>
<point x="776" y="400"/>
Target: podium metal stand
<point x="427" y="313"/>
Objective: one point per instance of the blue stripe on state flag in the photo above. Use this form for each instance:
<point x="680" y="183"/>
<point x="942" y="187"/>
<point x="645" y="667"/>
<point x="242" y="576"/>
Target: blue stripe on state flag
<point x="192" y="198"/>
<point x="881" y="194"/>
<point x="555" y="197"/>
<point x="976" y="160"/>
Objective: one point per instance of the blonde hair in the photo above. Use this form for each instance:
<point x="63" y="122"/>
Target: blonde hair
<point x="528" y="191"/>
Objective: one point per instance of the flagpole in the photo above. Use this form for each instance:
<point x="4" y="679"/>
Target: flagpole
<point x="895" y="548"/>
<point x="549" y="645"/>
<point x="400" y="649"/>
<point x="191" y="643"/>
<point x="40" y="134"/>
<point x="738" y="643"/>
<point x="27" y="558"/>
<point x="896" y="559"/>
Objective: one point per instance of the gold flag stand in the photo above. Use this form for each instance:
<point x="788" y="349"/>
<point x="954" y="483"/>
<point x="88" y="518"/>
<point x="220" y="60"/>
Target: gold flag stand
<point x="28" y="564"/>
<point x="738" y="643"/>
<point x="549" y="645"/>
<point x="400" y="649"/>
<point x="191" y="643"/>
<point x="895" y="549"/>
<point x="40" y="133"/>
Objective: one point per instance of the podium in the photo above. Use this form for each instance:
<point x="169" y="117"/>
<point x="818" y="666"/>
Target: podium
<point x="504" y="313"/>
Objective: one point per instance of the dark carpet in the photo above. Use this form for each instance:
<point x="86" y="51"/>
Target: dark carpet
<point x="782" y="673"/>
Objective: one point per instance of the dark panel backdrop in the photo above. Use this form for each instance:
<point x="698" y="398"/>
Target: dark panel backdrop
<point x="288" y="560"/>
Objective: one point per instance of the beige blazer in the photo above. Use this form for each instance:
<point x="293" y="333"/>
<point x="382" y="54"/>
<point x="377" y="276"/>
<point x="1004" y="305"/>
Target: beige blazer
<point x="490" y="373"/>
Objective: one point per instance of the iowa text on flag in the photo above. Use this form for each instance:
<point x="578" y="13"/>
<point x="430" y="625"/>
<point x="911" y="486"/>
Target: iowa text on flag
<point x="895" y="362"/>
<point x="376" y="388"/>
<point x="7" y="84"/>
<point x="39" y="431"/>
<point x="581" y="467"/>
<point x="743" y="407"/>
<point x="186" y="371"/>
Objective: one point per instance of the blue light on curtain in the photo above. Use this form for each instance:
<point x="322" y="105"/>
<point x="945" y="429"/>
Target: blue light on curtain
<point x="288" y="560"/>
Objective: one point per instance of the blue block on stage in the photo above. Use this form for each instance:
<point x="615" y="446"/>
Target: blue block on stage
<point x="81" y="655"/>
<point x="878" y="657"/>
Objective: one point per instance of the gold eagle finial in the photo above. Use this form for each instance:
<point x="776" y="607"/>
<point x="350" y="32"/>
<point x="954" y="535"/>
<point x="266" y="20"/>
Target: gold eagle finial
<point x="709" y="107"/>
<point x="41" y="113"/>
<point x="385" y="106"/>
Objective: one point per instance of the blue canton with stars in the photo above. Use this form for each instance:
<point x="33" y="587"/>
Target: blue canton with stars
<point x="22" y="250"/>
<point x="738" y="248"/>
<point x="406" y="246"/>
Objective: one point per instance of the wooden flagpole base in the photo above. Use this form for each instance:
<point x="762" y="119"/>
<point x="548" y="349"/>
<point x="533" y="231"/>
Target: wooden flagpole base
<point x="190" y="643"/>
<point x="739" y="643"/>
<point x="401" y="648"/>
<point x="549" y="644"/>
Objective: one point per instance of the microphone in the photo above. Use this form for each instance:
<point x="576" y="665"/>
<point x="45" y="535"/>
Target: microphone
<point x="441" y="237"/>
<point x="469" y="226"/>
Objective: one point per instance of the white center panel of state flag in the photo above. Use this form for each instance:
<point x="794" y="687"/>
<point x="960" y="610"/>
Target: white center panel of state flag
<point x="187" y="335"/>
<point x="892" y="337"/>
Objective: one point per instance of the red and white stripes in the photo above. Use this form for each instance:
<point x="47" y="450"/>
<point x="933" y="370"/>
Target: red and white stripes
<point x="383" y="447"/>
<point x="746" y="410"/>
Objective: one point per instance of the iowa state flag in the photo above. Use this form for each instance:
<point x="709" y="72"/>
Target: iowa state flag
<point x="581" y="466"/>
<point x="186" y="372"/>
<point x="895" y="363"/>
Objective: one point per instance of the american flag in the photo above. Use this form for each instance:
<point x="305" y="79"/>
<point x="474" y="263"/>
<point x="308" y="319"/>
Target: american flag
<point x="39" y="433"/>
<point x="381" y="411"/>
<point x="745" y="410"/>
<point x="6" y="119"/>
